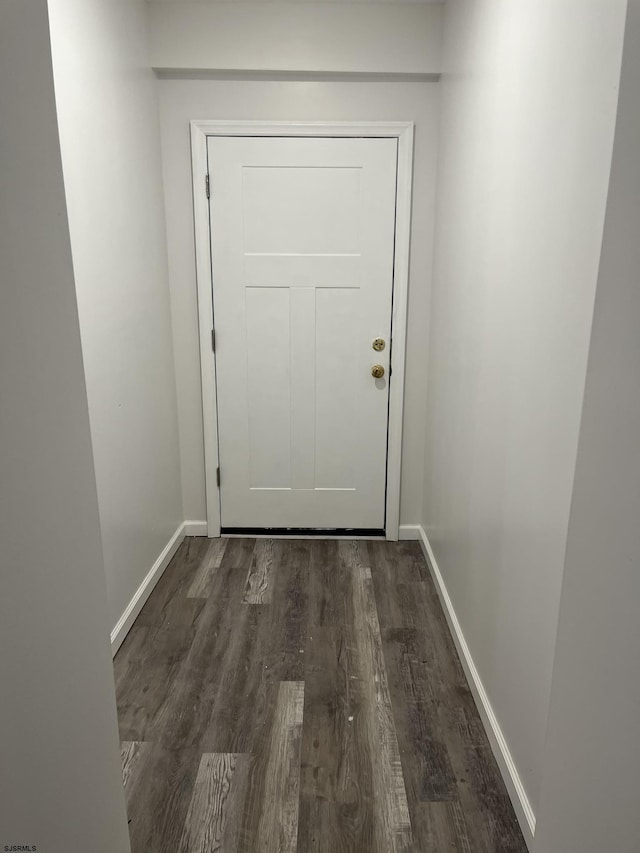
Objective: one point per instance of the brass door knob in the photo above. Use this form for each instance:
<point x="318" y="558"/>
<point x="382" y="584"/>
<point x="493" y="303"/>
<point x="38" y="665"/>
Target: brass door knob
<point x="377" y="371"/>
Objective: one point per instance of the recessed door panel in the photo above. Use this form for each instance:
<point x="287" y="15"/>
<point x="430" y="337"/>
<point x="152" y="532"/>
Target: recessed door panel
<point x="268" y="388"/>
<point x="337" y="388"/>
<point x="301" y="210"/>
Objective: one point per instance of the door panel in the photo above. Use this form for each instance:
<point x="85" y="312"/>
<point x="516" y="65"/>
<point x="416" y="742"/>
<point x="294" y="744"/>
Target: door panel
<point x="336" y="379"/>
<point x="331" y="221"/>
<point x="268" y="390"/>
<point x="302" y="234"/>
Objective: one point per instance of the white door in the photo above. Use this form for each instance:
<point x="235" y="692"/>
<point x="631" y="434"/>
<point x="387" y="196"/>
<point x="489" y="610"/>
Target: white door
<point x="302" y="236"/>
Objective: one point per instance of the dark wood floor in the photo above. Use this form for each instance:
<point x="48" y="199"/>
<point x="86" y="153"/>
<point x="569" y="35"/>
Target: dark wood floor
<point x="303" y="695"/>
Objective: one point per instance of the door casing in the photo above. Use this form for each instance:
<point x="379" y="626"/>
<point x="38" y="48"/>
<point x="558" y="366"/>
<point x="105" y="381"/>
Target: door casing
<point x="403" y="132"/>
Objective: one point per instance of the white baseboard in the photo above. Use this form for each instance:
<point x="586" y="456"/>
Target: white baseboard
<point x="145" y="589"/>
<point x="196" y="528"/>
<point x="499" y="746"/>
<point x="409" y="531"/>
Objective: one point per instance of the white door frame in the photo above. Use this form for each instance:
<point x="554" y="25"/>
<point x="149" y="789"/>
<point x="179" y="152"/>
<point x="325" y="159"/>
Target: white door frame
<point x="403" y="132"/>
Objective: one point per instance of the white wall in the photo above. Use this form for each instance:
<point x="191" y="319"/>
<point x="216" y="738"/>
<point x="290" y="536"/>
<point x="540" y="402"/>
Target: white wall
<point x="307" y="37"/>
<point x="182" y="100"/>
<point x="529" y="102"/>
<point x="60" y="776"/>
<point x="590" y="782"/>
<point x="107" y="112"/>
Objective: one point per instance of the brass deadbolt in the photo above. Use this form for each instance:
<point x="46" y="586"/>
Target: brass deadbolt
<point x="378" y="344"/>
<point x="377" y="371"/>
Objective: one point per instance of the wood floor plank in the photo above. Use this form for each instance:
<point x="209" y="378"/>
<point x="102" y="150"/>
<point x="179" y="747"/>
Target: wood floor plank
<point x="430" y="774"/>
<point x="133" y="649"/>
<point x="336" y="761"/>
<point x="213" y="820"/>
<point x="440" y="827"/>
<point x="157" y="803"/>
<point x="259" y="586"/>
<point x="329" y="827"/>
<point x="354" y="553"/>
<point x="284" y="623"/>
<point x="392" y="822"/>
<point x="415" y="688"/>
<point x="149" y="684"/>
<point x="484" y="800"/>
<point x="210" y="666"/>
<point x="329" y="585"/>
<point x="131" y="755"/>
<point x="266" y="645"/>
<point x="201" y="582"/>
<point x="412" y="666"/>
<point x="238" y="553"/>
<point x="397" y="605"/>
<point x="170" y="591"/>
<point x="402" y="562"/>
<point x="278" y="823"/>
<point x="236" y="697"/>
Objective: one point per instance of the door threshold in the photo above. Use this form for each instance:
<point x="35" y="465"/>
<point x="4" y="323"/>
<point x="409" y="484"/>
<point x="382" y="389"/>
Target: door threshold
<point x="303" y="532"/>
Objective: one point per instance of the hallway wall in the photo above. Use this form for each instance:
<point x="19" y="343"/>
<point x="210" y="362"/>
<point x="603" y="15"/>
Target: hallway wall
<point x="529" y="103"/>
<point x="60" y="773"/>
<point x="182" y="100"/>
<point x="108" y="117"/>
<point x="290" y="37"/>
<point x="590" y="782"/>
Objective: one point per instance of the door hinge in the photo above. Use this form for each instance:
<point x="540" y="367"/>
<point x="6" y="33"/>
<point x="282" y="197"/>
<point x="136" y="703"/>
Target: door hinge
<point x="213" y="340"/>
<point x="207" y="186"/>
<point x="218" y="477"/>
